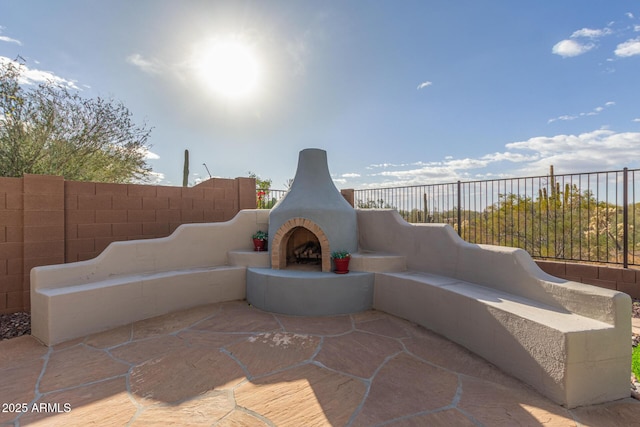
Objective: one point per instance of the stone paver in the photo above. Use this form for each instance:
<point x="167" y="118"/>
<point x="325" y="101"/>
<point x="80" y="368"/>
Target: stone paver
<point x="406" y="385"/>
<point x="240" y="418"/>
<point x="495" y="405"/>
<point x="455" y="357"/>
<point x="303" y="396"/>
<point x="19" y="350"/>
<point x="273" y="351"/>
<point x="386" y="326"/>
<point x="110" y="338"/>
<point x="173" y="322"/>
<point x="18" y="386"/>
<point x="334" y="325"/>
<point x="445" y="418"/>
<point x="231" y="364"/>
<point x="79" y="365"/>
<point x="105" y="403"/>
<point x="196" y="412"/>
<point x="137" y="352"/>
<point x="182" y="374"/>
<point x="357" y="353"/>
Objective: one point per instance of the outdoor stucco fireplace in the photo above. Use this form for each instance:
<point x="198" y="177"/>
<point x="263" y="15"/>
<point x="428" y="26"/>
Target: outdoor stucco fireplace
<point x="309" y="223"/>
<point x="315" y="208"/>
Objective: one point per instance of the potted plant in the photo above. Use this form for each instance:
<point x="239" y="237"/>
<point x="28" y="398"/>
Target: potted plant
<point x="341" y="260"/>
<point x="260" y="240"/>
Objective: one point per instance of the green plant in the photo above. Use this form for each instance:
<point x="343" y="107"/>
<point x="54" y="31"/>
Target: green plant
<point x="635" y="362"/>
<point x="51" y="129"/>
<point x="340" y="254"/>
<point x="260" y="235"/>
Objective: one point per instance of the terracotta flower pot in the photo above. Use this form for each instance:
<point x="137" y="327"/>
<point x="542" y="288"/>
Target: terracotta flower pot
<point x="342" y="265"/>
<point x="259" y="245"/>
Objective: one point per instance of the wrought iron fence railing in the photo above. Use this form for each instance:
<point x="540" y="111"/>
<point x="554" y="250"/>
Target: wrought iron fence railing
<point x="589" y="217"/>
<point x="578" y="217"/>
<point x="267" y="198"/>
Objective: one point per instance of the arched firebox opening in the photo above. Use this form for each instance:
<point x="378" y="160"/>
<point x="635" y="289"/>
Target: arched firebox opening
<point x="300" y="244"/>
<point x="303" y="250"/>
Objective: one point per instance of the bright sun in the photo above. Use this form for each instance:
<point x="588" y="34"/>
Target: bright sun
<point x="230" y="68"/>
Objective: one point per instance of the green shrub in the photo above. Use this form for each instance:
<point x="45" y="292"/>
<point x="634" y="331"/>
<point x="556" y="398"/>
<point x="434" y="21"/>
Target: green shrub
<point x="635" y="362"/>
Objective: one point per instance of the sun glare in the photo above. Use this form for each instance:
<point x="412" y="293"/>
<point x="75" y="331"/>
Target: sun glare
<point x="230" y="68"/>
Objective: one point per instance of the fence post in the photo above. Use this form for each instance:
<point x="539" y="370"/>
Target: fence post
<point x="459" y="209"/>
<point x="625" y="218"/>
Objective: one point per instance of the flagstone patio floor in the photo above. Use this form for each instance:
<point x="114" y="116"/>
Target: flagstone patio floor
<point x="231" y="364"/>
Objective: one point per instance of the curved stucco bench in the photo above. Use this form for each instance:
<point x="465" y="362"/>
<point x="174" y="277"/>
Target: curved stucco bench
<point x="568" y="340"/>
<point x="135" y="280"/>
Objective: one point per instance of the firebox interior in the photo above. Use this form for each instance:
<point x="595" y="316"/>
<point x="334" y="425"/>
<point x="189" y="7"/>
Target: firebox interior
<point x="303" y="250"/>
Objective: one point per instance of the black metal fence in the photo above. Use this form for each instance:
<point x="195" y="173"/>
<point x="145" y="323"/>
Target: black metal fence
<point x="266" y="199"/>
<point x="578" y="217"/>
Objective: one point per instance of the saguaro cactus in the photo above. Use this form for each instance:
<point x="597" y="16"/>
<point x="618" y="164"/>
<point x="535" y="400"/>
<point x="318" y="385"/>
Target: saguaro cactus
<point x="185" y="170"/>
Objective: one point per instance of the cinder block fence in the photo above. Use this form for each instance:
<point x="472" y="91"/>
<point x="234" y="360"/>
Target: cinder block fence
<point x="46" y="220"/>
<point x="625" y="280"/>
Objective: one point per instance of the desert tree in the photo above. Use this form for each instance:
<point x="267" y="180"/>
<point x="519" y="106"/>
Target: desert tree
<point x="51" y="129"/>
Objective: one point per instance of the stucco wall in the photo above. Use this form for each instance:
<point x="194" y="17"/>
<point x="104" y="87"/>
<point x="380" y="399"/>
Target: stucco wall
<point x="46" y="220"/>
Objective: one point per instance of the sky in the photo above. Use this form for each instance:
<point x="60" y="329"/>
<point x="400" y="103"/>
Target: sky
<point x="397" y="92"/>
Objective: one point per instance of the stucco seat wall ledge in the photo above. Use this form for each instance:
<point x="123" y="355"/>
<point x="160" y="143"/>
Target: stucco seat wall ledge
<point x="377" y="262"/>
<point x="135" y="280"/>
<point x="250" y="258"/>
<point x="568" y="340"/>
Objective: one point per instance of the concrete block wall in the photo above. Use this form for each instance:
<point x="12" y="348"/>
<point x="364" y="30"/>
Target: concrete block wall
<point x="11" y="245"/>
<point x="98" y="214"/>
<point x="45" y="220"/>
<point x="625" y="280"/>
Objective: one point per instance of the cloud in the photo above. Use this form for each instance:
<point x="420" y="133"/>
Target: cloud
<point x="569" y="48"/>
<point x="387" y="165"/>
<point x="8" y="39"/>
<point x="31" y="76"/>
<point x="154" y="178"/>
<point x="581" y="153"/>
<point x="575" y="44"/>
<point x="591" y="33"/>
<point x="150" y="155"/>
<point x="567" y="153"/>
<point x="594" y="112"/>
<point x="629" y="48"/>
<point x="350" y="175"/>
<point x="424" y="84"/>
<point x="148" y="66"/>
<point x="563" y="117"/>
